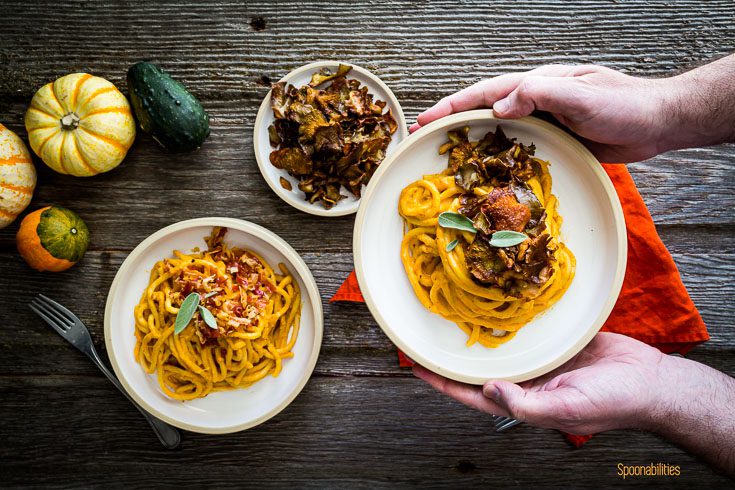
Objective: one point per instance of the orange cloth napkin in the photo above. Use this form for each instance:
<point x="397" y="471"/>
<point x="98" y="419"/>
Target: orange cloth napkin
<point x="653" y="307"/>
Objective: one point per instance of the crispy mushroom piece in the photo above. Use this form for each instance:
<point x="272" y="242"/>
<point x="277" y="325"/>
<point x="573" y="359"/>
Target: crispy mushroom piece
<point x="293" y="160"/>
<point x="279" y="99"/>
<point x="456" y="137"/>
<point x="285" y="183"/>
<point x="325" y="75"/>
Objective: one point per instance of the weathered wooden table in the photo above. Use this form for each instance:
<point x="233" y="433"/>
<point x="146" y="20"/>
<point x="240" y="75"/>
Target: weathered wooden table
<point x="361" y="421"/>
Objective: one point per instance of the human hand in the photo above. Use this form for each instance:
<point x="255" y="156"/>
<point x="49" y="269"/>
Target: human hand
<point x="620" y="118"/>
<point x="615" y="382"/>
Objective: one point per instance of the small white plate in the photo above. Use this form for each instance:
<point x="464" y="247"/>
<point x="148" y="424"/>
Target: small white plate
<point x="593" y="228"/>
<point x="225" y="411"/>
<point x="298" y="78"/>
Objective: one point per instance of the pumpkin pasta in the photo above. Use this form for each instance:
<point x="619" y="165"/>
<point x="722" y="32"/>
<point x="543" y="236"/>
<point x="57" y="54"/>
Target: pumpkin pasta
<point x="489" y="291"/>
<point x="257" y="312"/>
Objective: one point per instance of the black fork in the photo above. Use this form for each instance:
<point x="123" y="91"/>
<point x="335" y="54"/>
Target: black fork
<point x="69" y="326"/>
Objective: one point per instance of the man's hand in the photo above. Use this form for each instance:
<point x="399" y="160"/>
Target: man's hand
<point x="611" y="384"/>
<point x="620" y="118"/>
<point x="615" y="383"/>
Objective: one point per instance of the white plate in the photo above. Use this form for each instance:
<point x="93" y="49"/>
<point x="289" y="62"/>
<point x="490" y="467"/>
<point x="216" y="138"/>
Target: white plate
<point x="300" y="77"/>
<point x="593" y="229"/>
<point x="225" y="411"/>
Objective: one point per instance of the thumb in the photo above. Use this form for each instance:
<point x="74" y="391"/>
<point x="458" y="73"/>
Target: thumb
<point x="519" y="403"/>
<point x="558" y="95"/>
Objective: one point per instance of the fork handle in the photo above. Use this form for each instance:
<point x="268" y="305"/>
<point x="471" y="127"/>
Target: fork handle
<point x="167" y="434"/>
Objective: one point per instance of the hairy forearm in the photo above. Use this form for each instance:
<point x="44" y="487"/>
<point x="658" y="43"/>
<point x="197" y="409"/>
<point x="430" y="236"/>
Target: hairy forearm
<point x="695" y="411"/>
<point x="698" y="107"/>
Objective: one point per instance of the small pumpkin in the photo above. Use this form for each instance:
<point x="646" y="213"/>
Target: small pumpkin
<point x="80" y="125"/>
<point x="52" y="239"/>
<point x="17" y="176"/>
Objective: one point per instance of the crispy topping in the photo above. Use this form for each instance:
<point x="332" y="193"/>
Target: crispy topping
<point x="505" y="166"/>
<point x="242" y="273"/>
<point x="329" y="138"/>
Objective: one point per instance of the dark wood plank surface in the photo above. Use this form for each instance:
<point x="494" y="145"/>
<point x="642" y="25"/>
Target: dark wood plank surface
<point x="361" y="421"/>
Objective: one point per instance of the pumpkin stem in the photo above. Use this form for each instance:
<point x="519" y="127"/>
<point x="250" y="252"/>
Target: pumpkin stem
<point x="70" y="121"/>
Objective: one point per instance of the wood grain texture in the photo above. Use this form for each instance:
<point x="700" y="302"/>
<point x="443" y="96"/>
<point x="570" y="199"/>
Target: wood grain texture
<point x="361" y="421"/>
<point x="334" y="434"/>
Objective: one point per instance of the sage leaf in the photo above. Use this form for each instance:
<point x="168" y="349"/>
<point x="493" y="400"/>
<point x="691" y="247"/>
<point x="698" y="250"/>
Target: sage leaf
<point x="208" y="317"/>
<point x="186" y="311"/>
<point x="506" y="238"/>
<point x="210" y="294"/>
<point x="451" y="245"/>
<point x="456" y="221"/>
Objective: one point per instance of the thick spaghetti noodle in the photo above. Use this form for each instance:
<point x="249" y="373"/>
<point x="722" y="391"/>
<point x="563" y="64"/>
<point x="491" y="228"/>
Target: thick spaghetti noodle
<point x="489" y="292"/>
<point x="257" y="313"/>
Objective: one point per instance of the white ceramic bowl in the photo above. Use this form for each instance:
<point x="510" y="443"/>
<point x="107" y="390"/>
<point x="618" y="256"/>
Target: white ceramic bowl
<point x="594" y="229"/>
<point x="299" y="77"/>
<point x="225" y="411"/>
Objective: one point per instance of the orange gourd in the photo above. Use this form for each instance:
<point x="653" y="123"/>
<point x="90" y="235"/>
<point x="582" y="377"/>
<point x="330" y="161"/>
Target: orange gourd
<point x="52" y="239"/>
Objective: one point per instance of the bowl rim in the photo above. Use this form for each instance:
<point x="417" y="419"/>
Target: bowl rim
<point x="300" y="269"/>
<point x="565" y="138"/>
<point x="288" y="196"/>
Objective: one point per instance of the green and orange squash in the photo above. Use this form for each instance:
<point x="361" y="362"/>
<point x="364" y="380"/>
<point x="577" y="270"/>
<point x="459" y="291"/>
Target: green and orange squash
<point x="52" y="239"/>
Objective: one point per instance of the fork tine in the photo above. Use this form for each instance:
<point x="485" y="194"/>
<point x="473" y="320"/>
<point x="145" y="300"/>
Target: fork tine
<point x="53" y="314"/>
<point x="48" y="320"/>
<point x="58" y="307"/>
<point x="507" y="425"/>
<point x="500" y="420"/>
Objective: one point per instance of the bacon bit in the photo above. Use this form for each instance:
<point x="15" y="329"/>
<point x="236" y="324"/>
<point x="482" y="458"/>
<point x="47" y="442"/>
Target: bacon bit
<point x="233" y="267"/>
<point x="237" y="310"/>
<point x="251" y="311"/>
<point x="209" y="333"/>
<point x="261" y="303"/>
<point x="251" y="261"/>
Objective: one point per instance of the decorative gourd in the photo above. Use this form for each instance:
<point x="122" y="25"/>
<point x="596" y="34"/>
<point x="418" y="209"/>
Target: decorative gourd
<point x="52" y="239"/>
<point x="166" y="109"/>
<point x="17" y="176"/>
<point x="80" y="125"/>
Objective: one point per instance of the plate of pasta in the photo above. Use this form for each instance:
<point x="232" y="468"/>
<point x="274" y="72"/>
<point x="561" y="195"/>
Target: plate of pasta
<point x="490" y="249"/>
<point x="213" y="324"/>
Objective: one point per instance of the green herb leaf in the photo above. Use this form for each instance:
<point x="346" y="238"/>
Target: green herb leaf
<point x="456" y="221"/>
<point x="186" y="311"/>
<point x="208" y="317"/>
<point x="209" y="295"/>
<point x="507" y="238"/>
<point x="451" y="245"/>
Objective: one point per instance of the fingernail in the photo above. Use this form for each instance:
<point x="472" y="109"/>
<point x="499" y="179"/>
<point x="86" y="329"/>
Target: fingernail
<point x="492" y="392"/>
<point x="501" y="106"/>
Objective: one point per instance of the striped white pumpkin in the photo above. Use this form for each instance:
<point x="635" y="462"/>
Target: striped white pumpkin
<point x="80" y="125"/>
<point x="17" y="176"/>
